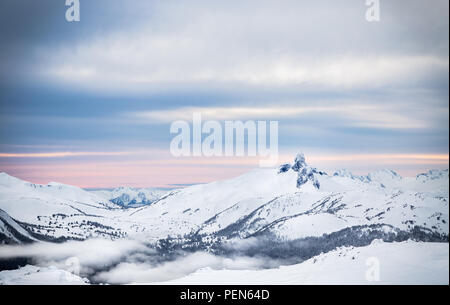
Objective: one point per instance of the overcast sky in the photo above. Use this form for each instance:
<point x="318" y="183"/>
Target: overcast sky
<point x="90" y="103"/>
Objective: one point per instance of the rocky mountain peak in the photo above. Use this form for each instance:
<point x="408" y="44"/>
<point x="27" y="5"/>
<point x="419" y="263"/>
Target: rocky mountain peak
<point x="305" y="172"/>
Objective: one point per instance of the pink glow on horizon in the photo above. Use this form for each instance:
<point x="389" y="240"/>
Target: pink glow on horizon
<point x="89" y="175"/>
<point x="166" y="171"/>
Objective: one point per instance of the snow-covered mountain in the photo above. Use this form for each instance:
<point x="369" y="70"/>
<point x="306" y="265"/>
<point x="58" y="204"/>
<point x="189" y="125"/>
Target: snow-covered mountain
<point x="292" y="202"/>
<point x="131" y="197"/>
<point x="56" y="212"/>
<point x="298" y="201"/>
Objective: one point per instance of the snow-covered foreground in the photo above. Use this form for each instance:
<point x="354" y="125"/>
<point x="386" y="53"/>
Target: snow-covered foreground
<point x="32" y="275"/>
<point x="379" y="263"/>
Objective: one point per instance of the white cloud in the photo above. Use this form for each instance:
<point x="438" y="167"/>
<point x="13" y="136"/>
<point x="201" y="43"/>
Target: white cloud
<point x="352" y="115"/>
<point x="147" y="273"/>
<point x="90" y="253"/>
<point x="126" y="261"/>
<point x="254" y="43"/>
<point x="139" y="66"/>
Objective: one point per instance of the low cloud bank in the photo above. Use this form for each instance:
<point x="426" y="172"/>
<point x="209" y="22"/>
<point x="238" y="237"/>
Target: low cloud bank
<point x="131" y="272"/>
<point x="127" y="261"/>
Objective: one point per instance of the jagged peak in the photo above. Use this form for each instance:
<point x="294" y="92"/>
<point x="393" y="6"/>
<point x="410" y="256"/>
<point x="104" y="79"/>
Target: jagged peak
<point x="383" y="174"/>
<point x="379" y="176"/>
<point x="299" y="162"/>
<point x="433" y="174"/>
<point x="305" y="172"/>
<point x="345" y="173"/>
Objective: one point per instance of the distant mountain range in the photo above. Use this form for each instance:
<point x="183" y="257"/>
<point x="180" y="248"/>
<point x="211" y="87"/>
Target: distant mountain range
<point x="131" y="197"/>
<point x="294" y="202"/>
